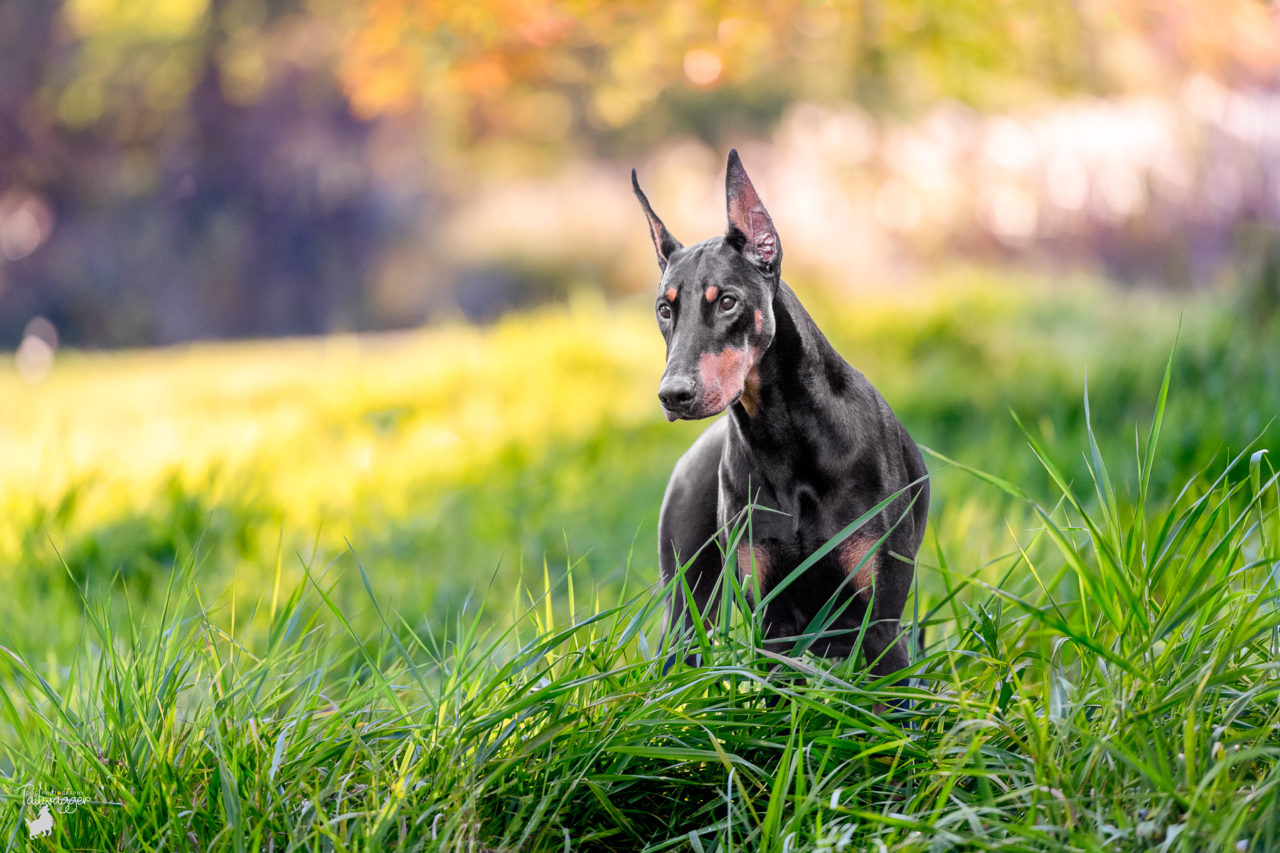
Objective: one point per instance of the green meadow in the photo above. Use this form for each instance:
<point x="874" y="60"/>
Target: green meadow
<point x="398" y="592"/>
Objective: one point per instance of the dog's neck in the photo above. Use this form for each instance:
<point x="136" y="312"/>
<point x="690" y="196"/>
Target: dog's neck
<point x="782" y="380"/>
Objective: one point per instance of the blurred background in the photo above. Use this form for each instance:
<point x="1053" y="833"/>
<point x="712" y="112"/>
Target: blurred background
<point x="200" y="169"/>
<point x="985" y="205"/>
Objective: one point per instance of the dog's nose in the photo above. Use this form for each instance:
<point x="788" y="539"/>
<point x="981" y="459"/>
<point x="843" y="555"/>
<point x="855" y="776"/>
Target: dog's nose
<point x="676" y="393"/>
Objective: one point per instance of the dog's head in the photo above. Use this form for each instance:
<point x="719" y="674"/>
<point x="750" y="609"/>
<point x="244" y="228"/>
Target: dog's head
<point x="715" y="304"/>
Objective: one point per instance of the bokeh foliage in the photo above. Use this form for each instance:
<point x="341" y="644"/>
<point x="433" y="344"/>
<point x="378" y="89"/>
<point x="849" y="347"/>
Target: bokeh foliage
<point x="567" y="72"/>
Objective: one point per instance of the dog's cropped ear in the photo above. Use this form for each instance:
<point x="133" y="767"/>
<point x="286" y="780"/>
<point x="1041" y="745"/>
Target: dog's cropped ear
<point x="751" y="230"/>
<point x="663" y="242"/>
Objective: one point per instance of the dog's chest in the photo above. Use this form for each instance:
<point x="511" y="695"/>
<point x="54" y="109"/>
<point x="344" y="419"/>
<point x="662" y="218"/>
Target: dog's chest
<point x="781" y="520"/>
<point x="781" y="528"/>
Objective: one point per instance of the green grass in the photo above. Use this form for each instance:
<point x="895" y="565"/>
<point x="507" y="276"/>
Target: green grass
<point x="332" y="636"/>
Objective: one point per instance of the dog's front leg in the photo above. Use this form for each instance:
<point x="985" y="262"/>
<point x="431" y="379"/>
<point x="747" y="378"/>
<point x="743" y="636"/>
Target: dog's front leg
<point x="701" y="577"/>
<point x="687" y="551"/>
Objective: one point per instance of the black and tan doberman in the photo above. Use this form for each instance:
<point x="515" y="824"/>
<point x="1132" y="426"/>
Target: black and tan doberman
<point x="806" y="440"/>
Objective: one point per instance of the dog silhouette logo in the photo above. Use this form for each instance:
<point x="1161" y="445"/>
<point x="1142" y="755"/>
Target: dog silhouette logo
<point x="42" y="824"/>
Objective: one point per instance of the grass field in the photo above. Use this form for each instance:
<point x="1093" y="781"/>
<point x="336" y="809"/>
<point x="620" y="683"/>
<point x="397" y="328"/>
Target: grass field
<point x="397" y="592"/>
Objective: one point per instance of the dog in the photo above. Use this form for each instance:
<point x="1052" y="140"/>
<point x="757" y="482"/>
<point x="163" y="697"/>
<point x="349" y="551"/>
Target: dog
<point x="807" y="442"/>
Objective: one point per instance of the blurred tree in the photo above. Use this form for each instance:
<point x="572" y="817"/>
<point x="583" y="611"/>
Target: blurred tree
<point x="203" y="171"/>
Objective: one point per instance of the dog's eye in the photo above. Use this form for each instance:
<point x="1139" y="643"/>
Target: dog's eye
<point x="664" y="311"/>
<point x="727" y="303"/>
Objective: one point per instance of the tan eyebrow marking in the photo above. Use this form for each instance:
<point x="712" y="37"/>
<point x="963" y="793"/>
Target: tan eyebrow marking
<point x="671" y="294"/>
<point x="712" y="293"/>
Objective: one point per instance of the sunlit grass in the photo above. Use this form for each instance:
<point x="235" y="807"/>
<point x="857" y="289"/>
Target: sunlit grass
<point x="1118" y="689"/>
<point x="398" y="591"/>
<point x="373" y="409"/>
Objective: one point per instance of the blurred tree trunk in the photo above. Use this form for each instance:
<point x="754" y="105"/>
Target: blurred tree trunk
<point x="26" y="40"/>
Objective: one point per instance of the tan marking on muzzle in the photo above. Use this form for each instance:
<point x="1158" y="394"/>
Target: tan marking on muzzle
<point x="850" y="554"/>
<point x="759" y="321"/>
<point x="754" y="562"/>
<point x="722" y="374"/>
<point x="728" y="373"/>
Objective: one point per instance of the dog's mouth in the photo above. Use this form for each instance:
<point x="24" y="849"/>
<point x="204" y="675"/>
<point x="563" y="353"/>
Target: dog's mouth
<point x="699" y="410"/>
